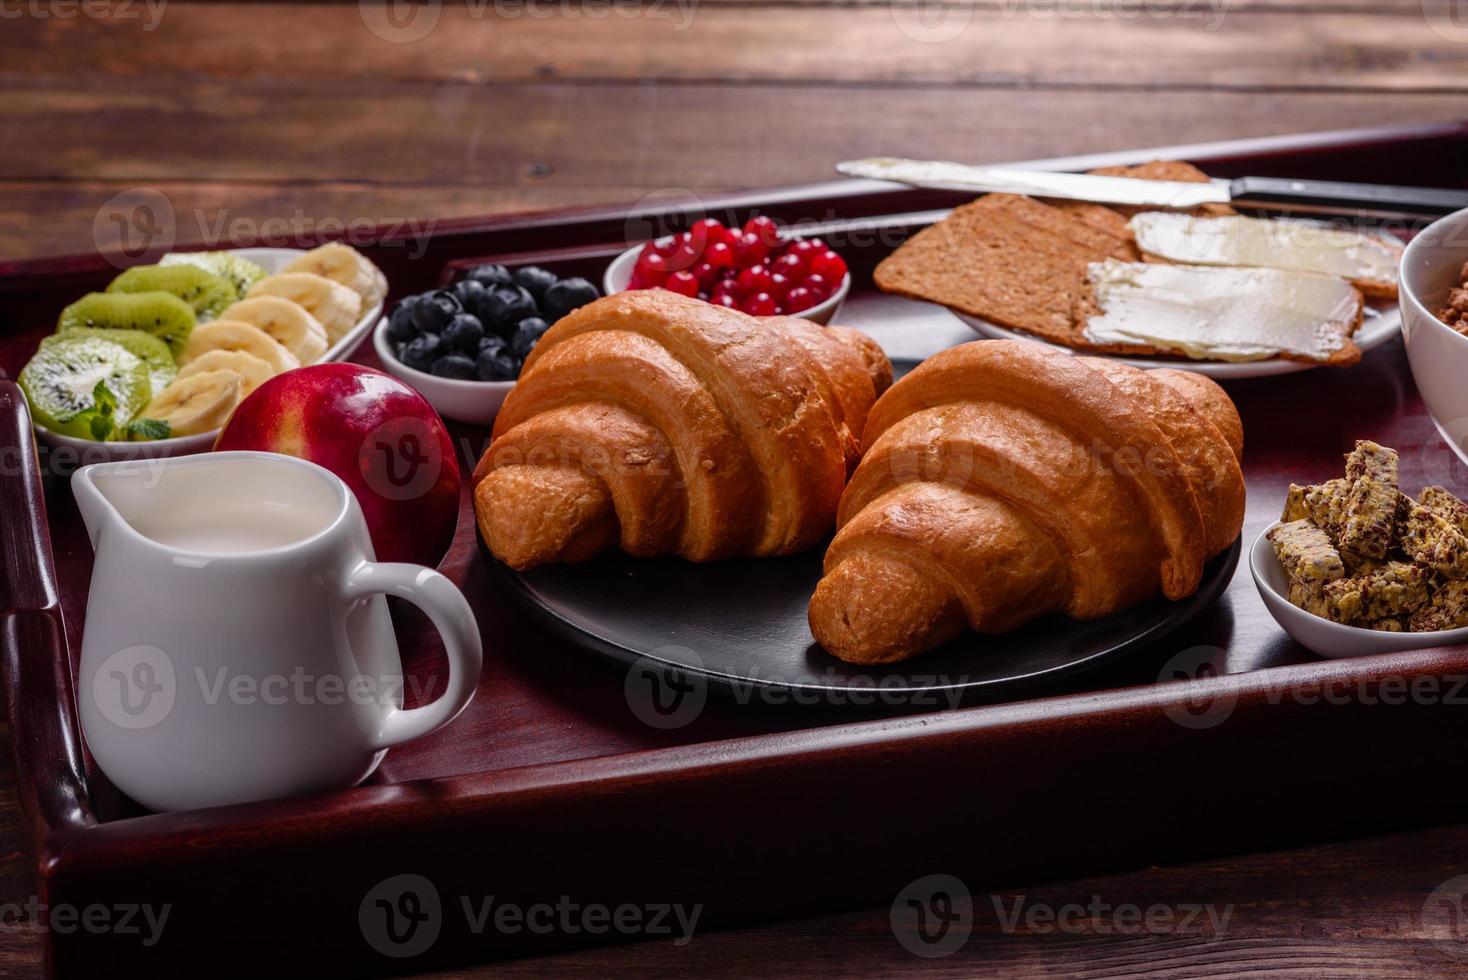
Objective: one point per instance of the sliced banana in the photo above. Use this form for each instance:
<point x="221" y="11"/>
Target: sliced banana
<point x="198" y="403"/>
<point x="344" y="264"/>
<point x="253" y="371"/>
<point x="336" y="306"/>
<point x="236" y="335"/>
<point x="287" y="322"/>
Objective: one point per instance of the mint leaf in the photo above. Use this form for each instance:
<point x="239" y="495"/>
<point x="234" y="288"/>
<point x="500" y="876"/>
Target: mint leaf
<point x="104" y="400"/>
<point x="148" y="429"/>
<point x="101" y="426"/>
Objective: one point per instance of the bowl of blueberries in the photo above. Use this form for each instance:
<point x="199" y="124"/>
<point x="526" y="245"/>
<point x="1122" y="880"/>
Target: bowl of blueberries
<point x="463" y="347"/>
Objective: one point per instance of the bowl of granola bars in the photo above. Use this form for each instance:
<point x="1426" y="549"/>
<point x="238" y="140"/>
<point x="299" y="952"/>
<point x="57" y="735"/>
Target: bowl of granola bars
<point x="1355" y="565"/>
<point x="1434" y="300"/>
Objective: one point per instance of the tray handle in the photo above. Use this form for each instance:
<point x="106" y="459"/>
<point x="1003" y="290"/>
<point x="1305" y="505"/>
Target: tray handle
<point x="34" y="661"/>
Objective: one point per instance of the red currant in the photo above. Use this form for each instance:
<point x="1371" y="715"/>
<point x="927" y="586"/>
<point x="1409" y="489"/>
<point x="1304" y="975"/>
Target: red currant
<point x="816" y="244"/>
<point x="802" y="247"/>
<point x="719" y="255"/>
<point x="682" y="282"/>
<point x="789" y="264"/>
<point x="665" y="246"/>
<point x="710" y="230"/>
<point x="830" y="265"/>
<point x="766" y="229"/>
<point x="760" y="304"/>
<point x="779" y="286"/>
<point x="799" y="299"/>
<point x="727" y="287"/>
<point x="683" y="256"/>
<point x="818" y="286"/>
<point x="726" y="299"/>
<point x="651" y="270"/>
<point x="755" y="279"/>
<point x="749" y="250"/>
<point x="705" y="274"/>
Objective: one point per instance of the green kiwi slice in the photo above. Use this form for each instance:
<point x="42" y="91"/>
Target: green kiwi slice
<point x="207" y="293"/>
<point x="238" y="270"/>
<point x="61" y="380"/>
<point x="152" y="351"/>
<point x="163" y="315"/>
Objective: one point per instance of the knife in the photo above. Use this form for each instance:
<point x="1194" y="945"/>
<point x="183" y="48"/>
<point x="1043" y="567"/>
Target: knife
<point x="1277" y="192"/>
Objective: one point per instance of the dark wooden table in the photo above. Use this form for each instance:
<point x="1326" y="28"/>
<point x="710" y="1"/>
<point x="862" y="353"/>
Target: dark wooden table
<point x="264" y="119"/>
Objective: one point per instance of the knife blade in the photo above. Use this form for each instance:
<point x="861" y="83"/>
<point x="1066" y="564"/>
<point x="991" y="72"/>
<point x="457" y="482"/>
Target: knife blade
<point x="1288" y="193"/>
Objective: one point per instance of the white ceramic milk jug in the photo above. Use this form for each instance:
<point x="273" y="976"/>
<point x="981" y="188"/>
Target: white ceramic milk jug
<point x="237" y="643"/>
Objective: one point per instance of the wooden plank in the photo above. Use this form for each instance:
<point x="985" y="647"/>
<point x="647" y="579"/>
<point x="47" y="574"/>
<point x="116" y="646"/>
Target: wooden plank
<point x="338" y="151"/>
<point x="695" y="136"/>
<point x="1015" y="43"/>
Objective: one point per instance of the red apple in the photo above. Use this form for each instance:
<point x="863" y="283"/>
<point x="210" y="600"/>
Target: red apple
<point x="376" y="433"/>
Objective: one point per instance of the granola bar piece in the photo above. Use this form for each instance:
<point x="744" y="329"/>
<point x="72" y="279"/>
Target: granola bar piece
<point x="1395" y="589"/>
<point x="1295" y="508"/>
<point x="1309" y="597"/>
<point x="1325" y="504"/>
<point x="1431" y="539"/>
<point x="1445" y="505"/>
<point x="1306" y="553"/>
<point x="1448" y="609"/>
<point x="1392" y="624"/>
<point x="1371" y="503"/>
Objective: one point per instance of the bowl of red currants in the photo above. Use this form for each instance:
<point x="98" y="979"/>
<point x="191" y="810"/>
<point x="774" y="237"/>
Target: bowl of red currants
<point x="756" y="269"/>
<point x="462" y="347"/>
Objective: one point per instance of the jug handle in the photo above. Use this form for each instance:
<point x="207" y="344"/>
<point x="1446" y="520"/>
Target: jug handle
<point x="450" y="614"/>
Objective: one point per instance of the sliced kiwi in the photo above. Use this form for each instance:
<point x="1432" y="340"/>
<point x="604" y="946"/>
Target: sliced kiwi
<point x="240" y="271"/>
<point x="61" y="380"/>
<point x="207" y="293"/>
<point x="163" y="315"/>
<point x="152" y="351"/>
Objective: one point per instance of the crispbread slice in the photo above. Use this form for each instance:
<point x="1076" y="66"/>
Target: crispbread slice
<point x="1009" y="259"/>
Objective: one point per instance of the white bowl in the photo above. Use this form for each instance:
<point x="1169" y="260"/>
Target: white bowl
<point x="619" y="274"/>
<point x="272" y="260"/>
<point x="476" y="402"/>
<point x="1318" y="634"/>
<point x="1437" y="353"/>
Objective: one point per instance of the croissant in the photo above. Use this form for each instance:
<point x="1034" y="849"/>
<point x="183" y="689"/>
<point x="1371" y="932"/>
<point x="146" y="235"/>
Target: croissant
<point x="1004" y="480"/>
<point x="661" y="424"/>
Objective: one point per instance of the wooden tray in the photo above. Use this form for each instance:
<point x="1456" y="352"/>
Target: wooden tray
<point x="553" y="785"/>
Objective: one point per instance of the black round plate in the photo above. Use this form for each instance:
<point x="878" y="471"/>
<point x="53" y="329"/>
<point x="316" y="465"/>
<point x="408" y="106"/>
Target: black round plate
<point x="741" y="624"/>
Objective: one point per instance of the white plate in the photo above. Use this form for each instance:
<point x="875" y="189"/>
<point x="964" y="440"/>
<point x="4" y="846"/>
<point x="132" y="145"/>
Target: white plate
<point x="1383" y="321"/>
<point x="84" y="451"/>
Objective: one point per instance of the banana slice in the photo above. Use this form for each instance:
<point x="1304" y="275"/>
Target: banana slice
<point x="344" y="264"/>
<point x="236" y="335"/>
<point x="252" y="370"/>
<point x="288" y="324"/>
<point x="198" y="403"/>
<point x="336" y="306"/>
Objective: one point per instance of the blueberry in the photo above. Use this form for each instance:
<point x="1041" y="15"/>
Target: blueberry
<point x="527" y="334"/>
<point x="504" y="307"/>
<point x="496" y="365"/>
<point x="567" y="295"/>
<point x="420" y="352"/>
<point x="470" y="292"/>
<point x="433" y="311"/>
<point x="400" y="326"/>
<point x="535" y="280"/>
<point x="454" y="366"/>
<point x="463" y="334"/>
<point x="491" y="275"/>
<point x="494" y="342"/>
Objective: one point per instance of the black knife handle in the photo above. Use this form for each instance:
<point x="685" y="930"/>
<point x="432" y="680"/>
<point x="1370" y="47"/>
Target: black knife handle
<point x="1339" y="195"/>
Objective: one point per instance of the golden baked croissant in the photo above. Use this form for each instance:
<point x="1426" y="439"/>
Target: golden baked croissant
<point x="1004" y="480"/>
<point x="666" y="425"/>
